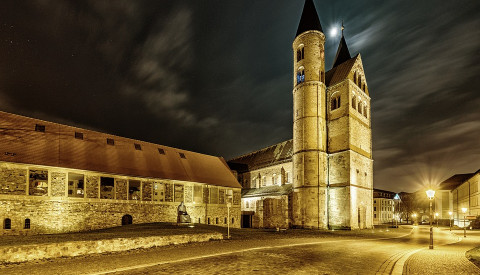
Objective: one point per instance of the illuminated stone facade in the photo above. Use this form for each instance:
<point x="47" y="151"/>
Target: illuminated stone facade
<point x="45" y="189"/>
<point x="331" y="152"/>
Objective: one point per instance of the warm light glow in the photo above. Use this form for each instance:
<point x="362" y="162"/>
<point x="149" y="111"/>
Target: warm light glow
<point x="464" y="210"/>
<point x="430" y="194"/>
<point x="414" y="215"/>
<point x="436" y="214"/>
<point x="450" y="213"/>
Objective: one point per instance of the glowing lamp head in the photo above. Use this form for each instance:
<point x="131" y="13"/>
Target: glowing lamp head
<point x="464" y="210"/>
<point x="414" y="215"/>
<point x="436" y="214"/>
<point x="430" y="194"/>
<point x="450" y="213"/>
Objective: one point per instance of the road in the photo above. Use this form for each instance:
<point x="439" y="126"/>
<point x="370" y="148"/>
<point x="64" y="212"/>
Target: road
<point x="305" y="255"/>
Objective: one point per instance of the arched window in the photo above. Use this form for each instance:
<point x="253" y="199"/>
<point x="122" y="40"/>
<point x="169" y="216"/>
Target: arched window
<point x="7" y="224"/>
<point x="360" y="82"/>
<point x="300" y="76"/>
<point x="360" y="107"/>
<point x="216" y="220"/>
<point x="365" y="113"/>
<point x="355" y="77"/>
<point x="335" y="103"/>
<point x="26" y="225"/>
<point x="300" y="53"/>
<point x="354" y="102"/>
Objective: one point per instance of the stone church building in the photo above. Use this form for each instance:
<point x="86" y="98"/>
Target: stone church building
<point x="323" y="177"/>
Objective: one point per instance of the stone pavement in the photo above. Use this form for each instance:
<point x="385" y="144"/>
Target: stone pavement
<point x="445" y="259"/>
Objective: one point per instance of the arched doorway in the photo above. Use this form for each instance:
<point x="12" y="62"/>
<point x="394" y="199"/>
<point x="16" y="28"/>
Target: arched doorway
<point x="127" y="219"/>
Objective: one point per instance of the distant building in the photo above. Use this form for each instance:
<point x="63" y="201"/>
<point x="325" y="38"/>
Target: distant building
<point x="323" y="177"/>
<point x="383" y="206"/>
<point x="56" y="178"/>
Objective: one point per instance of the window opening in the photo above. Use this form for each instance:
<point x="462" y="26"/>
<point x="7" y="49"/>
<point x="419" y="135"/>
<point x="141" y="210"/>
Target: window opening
<point x="300" y="76"/>
<point x="107" y="188"/>
<point x="76" y="185"/>
<point x="27" y="224"/>
<point x="127" y="219"/>
<point x="134" y="189"/>
<point x="216" y="220"/>
<point x="110" y="141"/>
<point x="78" y="135"/>
<point x="7" y="224"/>
<point x="38" y="183"/>
<point x="161" y="151"/>
<point x="137" y="146"/>
<point x="40" y="128"/>
<point x="354" y="103"/>
<point x="225" y="220"/>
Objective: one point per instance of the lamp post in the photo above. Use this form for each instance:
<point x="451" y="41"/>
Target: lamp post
<point x="464" y="210"/>
<point x="436" y="218"/>
<point x="414" y="215"/>
<point x="450" y="214"/>
<point x="431" y="195"/>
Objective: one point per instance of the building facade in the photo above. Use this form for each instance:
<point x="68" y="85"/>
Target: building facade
<point x="56" y="178"/>
<point x="331" y="150"/>
<point x="384" y="208"/>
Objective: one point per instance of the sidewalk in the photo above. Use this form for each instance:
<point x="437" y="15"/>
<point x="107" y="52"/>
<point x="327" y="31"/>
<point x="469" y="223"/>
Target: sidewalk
<point x="445" y="259"/>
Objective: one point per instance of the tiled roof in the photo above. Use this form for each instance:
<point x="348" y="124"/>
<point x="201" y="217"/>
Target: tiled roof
<point x="273" y="190"/>
<point x="57" y="146"/>
<point x="339" y="72"/>
<point x="278" y="153"/>
<point x="454" y="181"/>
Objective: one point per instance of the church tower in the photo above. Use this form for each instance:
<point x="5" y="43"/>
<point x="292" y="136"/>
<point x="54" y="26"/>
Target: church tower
<point x="349" y="144"/>
<point x="310" y="175"/>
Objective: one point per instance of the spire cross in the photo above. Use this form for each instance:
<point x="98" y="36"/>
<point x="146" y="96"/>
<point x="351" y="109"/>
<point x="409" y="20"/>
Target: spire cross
<point x="342" y="27"/>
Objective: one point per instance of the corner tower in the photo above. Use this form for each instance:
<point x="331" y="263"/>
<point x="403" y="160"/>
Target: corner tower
<point x="309" y="123"/>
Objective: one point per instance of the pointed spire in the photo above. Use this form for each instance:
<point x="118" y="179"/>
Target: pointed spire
<point x="343" y="54"/>
<point x="309" y="20"/>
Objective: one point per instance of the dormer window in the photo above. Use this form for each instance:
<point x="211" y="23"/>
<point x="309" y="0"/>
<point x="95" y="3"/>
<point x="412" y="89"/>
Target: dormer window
<point x="40" y="128"/>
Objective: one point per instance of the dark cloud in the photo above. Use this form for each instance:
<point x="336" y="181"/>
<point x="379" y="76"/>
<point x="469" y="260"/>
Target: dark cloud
<point x="215" y="76"/>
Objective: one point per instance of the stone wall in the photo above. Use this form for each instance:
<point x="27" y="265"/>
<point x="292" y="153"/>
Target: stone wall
<point x="24" y="253"/>
<point x="58" y="214"/>
<point x="13" y="181"/>
<point x="275" y="212"/>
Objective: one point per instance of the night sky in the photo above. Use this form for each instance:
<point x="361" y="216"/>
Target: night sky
<point x="215" y="76"/>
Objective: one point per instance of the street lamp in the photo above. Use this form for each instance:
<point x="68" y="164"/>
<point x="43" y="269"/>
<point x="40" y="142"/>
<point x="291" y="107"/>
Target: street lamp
<point x="414" y="215"/>
<point x="431" y="195"/>
<point x="464" y="210"/>
<point x="450" y="214"/>
<point x="436" y="218"/>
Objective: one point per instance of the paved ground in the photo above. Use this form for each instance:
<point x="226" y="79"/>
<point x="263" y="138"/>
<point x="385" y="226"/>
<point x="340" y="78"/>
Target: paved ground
<point x="294" y="251"/>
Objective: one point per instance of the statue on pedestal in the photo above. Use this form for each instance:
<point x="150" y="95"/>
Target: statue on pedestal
<point x="182" y="215"/>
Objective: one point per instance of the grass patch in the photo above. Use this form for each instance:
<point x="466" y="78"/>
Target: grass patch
<point x="474" y="255"/>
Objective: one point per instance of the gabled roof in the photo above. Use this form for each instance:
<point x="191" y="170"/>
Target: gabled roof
<point x="343" y="54"/>
<point x="275" y="154"/>
<point x="273" y="190"/>
<point x="58" y="147"/>
<point x="340" y="72"/>
<point x="454" y="181"/>
<point x="309" y="20"/>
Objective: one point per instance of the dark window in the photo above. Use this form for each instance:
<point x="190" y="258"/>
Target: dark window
<point x="375" y="216"/>
<point x="208" y="220"/>
<point x="7" y="224"/>
<point x="375" y="208"/>
<point x="107" y="188"/>
<point x="233" y="220"/>
<point x="161" y="151"/>
<point x="335" y="103"/>
<point x="78" y="135"/>
<point x="182" y="155"/>
<point x="27" y="224"/>
<point x="127" y="219"/>
<point x="134" y="187"/>
<point x="110" y="141"/>
<point x="138" y="146"/>
<point x="216" y="220"/>
<point x="300" y="54"/>
<point x="225" y="221"/>
<point x="354" y="102"/>
<point x="40" y="128"/>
